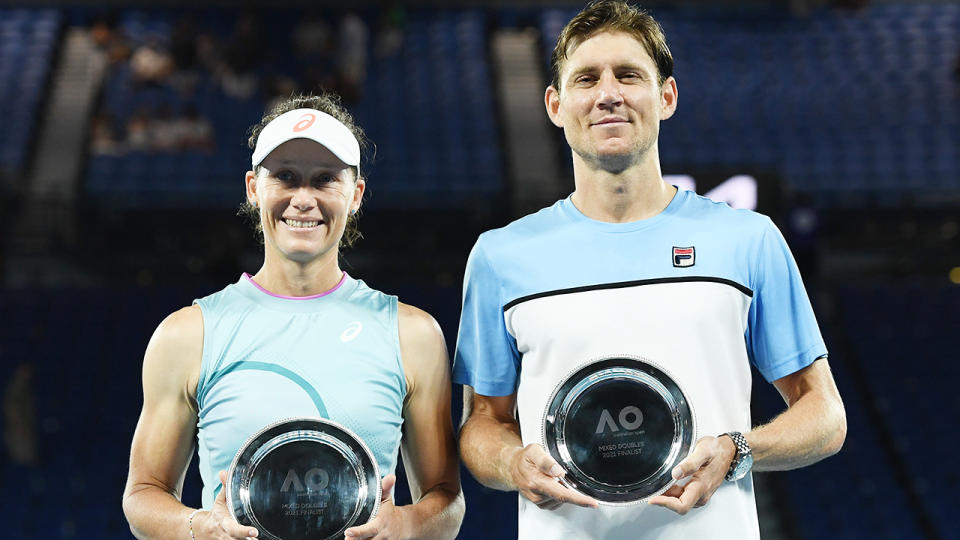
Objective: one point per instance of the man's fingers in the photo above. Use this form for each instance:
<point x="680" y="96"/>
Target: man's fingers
<point x="693" y="462"/>
<point x="562" y="494"/>
<point x="675" y="491"/>
<point x="682" y="504"/>
<point x="543" y="487"/>
<point x="691" y="494"/>
<point x="550" y="504"/>
<point x="368" y="530"/>
<point x="543" y="462"/>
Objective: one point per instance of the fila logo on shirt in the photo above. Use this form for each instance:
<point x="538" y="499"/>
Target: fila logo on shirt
<point x="630" y="418"/>
<point x="684" y="256"/>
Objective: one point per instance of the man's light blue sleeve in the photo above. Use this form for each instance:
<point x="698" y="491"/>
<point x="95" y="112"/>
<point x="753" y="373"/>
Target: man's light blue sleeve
<point x="486" y="357"/>
<point x="783" y="336"/>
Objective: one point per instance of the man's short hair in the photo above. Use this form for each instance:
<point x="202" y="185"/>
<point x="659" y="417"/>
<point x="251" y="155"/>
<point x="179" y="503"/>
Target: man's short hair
<point x="612" y="16"/>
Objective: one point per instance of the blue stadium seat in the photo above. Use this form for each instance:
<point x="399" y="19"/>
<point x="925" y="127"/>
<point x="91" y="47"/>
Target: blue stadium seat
<point x="27" y="39"/>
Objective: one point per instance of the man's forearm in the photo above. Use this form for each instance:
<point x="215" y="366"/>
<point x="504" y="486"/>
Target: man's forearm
<point x="487" y="447"/>
<point x="156" y="514"/>
<point x="436" y="516"/>
<point x="811" y="429"/>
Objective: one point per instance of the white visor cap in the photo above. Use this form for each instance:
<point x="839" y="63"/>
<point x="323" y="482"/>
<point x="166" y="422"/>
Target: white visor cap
<point x="310" y="124"/>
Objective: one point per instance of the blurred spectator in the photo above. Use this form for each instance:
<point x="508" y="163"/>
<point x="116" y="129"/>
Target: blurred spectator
<point x="314" y="44"/>
<point x="242" y="56"/>
<point x="239" y="85"/>
<point x="164" y="132"/>
<point x="151" y="63"/>
<point x="195" y="132"/>
<point x="390" y="27"/>
<point x="316" y="77"/>
<point x="118" y="50"/>
<point x="106" y="38"/>
<point x="312" y="39"/>
<point x="161" y="131"/>
<point x="185" y="55"/>
<point x="183" y="44"/>
<point x="279" y="89"/>
<point x="138" y="131"/>
<point x="102" y="33"/>
<point x="20" y="431"/>
<point x="352" y="56"/>
<point x="103" y="136"/>
<point x="208" y="53"/>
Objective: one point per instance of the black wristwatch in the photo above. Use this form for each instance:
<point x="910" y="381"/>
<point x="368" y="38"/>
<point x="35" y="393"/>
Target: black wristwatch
<point x="742" y="460"/>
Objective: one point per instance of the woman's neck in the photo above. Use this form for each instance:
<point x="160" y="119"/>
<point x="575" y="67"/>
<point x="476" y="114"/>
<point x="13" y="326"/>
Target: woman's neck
<point x="285" y="277"/>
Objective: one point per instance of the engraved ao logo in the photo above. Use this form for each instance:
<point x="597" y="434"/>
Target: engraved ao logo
<point x="352" y="331"/>
<point x="630" y="418"/>
<point x="315" y="479"/>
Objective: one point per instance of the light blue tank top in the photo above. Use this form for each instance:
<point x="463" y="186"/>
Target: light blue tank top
<point x="266" y="357"/>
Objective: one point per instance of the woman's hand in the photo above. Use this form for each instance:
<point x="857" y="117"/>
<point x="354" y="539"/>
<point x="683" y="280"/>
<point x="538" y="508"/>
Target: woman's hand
<point x="218" y="523"/>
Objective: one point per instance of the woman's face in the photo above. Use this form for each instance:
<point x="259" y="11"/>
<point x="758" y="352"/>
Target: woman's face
<point x="304" y="194"/>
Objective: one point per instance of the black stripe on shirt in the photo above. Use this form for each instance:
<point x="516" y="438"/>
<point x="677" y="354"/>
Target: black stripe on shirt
<point x="623" y="284"/>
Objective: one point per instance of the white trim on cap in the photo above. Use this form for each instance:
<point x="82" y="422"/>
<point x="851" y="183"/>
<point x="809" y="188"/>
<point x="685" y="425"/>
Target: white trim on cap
<point x="310" y="124"/>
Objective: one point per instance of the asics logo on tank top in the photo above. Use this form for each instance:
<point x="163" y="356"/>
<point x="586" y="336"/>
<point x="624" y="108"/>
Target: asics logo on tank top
<point x="352" y="331"/>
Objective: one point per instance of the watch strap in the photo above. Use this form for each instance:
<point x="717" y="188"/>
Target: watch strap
<point x="743" y="450"/>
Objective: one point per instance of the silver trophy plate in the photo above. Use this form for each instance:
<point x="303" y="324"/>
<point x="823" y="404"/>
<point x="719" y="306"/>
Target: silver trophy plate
<point x="303" y="478"/>
<point x="618" y="426"/>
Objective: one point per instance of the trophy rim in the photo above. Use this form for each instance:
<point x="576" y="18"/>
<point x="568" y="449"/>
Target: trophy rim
<point x="557" y="451"/>
<point x="318" y="425"/>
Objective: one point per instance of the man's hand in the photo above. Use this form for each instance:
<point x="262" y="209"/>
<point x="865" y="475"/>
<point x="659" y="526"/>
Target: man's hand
<point x="218" y="523"/>
<point x="537" y="477"/>
<point x="387" y="524"/>
<point x="706" y="467"/>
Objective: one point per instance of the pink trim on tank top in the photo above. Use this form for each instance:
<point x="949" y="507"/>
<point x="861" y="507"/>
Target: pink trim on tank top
<point x="321" y="295"/>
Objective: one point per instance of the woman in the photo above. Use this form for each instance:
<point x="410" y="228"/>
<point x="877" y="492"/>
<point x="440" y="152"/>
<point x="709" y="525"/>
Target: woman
<point x="298" y="336"/>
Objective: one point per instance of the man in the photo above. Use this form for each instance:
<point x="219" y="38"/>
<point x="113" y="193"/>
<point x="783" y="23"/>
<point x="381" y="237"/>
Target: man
<point x="629" y="265"/>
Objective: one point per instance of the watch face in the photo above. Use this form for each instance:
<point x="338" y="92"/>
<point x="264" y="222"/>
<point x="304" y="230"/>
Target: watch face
<point x="743" y="467"/>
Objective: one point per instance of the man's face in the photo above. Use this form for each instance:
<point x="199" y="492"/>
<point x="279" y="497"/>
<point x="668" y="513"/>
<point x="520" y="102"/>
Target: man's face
<point x="610" y="102"/>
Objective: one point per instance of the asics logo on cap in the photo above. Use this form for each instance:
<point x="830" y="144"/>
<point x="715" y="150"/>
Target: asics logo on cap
<point x="305" y="122"/>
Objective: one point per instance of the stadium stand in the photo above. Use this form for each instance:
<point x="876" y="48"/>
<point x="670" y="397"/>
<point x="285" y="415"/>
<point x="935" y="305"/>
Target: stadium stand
<point x="439" y="73"/>
<point x="28" y="40"/>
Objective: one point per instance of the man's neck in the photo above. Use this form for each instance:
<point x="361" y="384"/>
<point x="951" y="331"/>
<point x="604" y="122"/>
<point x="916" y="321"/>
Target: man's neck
<point x="636" y="193"/>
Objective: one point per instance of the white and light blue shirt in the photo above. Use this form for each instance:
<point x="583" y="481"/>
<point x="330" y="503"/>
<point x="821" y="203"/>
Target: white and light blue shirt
<point x="700" y="289"/>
